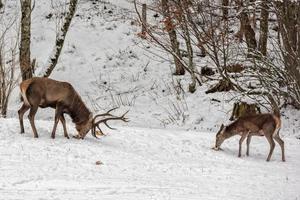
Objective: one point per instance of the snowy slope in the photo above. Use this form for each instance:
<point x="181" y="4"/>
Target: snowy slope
<point x="111" y="67"/>
<point x="140" y="163"/>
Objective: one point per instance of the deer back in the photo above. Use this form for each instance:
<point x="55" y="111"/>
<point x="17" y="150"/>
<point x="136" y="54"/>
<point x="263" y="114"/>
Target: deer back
<point x="254" y="123"/>
<point x="45" y="92"/>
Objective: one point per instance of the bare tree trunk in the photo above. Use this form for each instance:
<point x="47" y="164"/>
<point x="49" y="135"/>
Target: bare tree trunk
<point x="7" y="76"/>
<point x="173" y="37"/>
<point x="1" y="4"/>
<point x="248" y="31"/>
<point x="245" y="28"/>
<point x="25" y="39"/>
<point x="240" y="33"/>
<point x="263" y="37"/>
<point x="60" y="38"/>
<point x="196" y="33"/>
<point x="225" y="4"/>
<point x="288" y="20"/>
<point x="144" y="15"/>
<point x="183" y="7"/>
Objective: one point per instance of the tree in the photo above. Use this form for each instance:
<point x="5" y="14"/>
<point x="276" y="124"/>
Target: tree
<point x="60" y="38"/>
<point x="225" y="4"/>
<point x="245" y="27"/>
<point x="169" y="26"/>
<point x="8" y="62"/>
<point x="182" y="18"/>
<point x="24" y="54"/>
<point x="264" y="29"/>
<point x="288" y="14"/>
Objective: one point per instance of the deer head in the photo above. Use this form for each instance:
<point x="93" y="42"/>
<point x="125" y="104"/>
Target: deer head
<point x="220" y="137"/>
<point x="92" y="124"/>
<point x="84" y="127"/>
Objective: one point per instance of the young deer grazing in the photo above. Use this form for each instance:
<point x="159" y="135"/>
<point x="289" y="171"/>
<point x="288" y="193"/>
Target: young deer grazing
<point x="267" y="125"/>
<point x="44" y="92"/>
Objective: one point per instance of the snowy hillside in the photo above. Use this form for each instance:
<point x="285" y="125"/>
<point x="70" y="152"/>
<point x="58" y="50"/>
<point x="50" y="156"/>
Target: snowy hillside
<point x="164" y="152"/>
<point x="141" y="163"/>
<point x="111" y="67"/>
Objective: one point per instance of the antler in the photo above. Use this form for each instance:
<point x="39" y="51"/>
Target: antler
<point x="112" y="117"/>
<point x="105" y="114"/>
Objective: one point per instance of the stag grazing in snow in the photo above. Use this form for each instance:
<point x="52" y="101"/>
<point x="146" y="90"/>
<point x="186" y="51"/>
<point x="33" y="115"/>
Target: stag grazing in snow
<point x="44" y="92"/>
<point x="267" y="125"/>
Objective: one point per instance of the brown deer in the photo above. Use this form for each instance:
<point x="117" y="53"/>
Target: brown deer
<point x="44" y="92"/>
<point x="267" y="125"/>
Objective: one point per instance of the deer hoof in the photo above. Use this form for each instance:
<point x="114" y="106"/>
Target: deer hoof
<point x="215" y="148"/>
<point x="76" y="136"/>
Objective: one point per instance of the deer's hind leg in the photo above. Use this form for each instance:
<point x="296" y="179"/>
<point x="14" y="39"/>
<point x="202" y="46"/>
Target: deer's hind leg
<point x="281" y="143"/>
<point x="243" y="137"/>
<point x="31" y="116"/>
<point x="21" y="113"/>
<point x="269" y="131"/>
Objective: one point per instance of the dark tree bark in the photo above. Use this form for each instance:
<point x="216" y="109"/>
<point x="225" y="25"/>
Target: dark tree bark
<point x="1" y="4"/>
<point x="60" y="38"/>
<point x="250" y="38"/>
<point x="183" y="7"/>
<point x="196" y="33"/>
<point x="263" y="37"/>
<point x="241" y="109"/>
<point x="245" y="28"/>
<point x="173" y="37"/>
<point x="24" y="57"/>
<point x="144" y="16"/>
<point x="288" y="14"/>
<point x="225" y="4"/>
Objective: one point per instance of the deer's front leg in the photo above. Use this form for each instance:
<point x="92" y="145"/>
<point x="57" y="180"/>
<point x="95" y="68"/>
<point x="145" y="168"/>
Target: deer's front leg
<point x="243" y="137"/>
<point x="58" y="113"/>
<point x="63" y="121"/>
<point x="248" y="144"/>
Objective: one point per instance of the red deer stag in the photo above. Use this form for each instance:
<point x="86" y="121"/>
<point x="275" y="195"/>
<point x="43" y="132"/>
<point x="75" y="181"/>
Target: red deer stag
<point x="44" y="92"/>
<point x="267" y="125"/>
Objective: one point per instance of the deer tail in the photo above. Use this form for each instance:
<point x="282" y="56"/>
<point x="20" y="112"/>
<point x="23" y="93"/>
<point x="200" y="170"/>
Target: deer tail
<point x="277" y="120"/>
<point x="23" y="87"/>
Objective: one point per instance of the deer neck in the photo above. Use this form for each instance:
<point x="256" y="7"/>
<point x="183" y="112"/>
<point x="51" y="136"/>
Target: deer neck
<point x="79" y="113"/>
<point x="230" y="131"/>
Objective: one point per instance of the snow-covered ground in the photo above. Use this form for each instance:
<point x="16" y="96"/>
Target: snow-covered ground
<point x="141" y="163"/>
<point x="165" y="150"/>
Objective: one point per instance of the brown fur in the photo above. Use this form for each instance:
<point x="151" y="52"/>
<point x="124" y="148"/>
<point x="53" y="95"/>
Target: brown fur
<point x="45" y="92"/>
<point x="267" y="125"/>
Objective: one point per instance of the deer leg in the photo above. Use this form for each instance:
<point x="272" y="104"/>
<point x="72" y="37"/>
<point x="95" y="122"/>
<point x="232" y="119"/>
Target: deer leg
<point x="272" y="145"/>
<point x="21" y="113"/>
<point x="244" y="135"/>
<point x="248" y="144"/>
<point x="281" y="143"/>
<point x="31" y="116"/>
<point x="63" y="121"/>
<point x="56" y="120"/>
